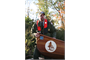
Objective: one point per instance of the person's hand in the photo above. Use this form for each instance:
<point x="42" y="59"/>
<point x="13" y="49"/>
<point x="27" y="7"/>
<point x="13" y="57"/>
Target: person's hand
<point x="37" y="34"/>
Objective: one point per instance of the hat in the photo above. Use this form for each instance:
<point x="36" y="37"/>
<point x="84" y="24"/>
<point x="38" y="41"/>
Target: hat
<point x="42" y="13"/>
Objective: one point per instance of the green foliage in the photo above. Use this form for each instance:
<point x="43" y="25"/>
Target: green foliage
<point x="48" y="18"/>
<point x="52" y="21"/>
<point x="29" y="45"/>
<point x="60" y="34"/>
<point x="28" y="23"/>
<point x="43" y="6"/>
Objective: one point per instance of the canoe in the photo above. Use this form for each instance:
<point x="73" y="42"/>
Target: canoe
<point x="50" y="47"/>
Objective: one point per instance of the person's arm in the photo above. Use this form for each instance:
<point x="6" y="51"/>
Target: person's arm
<point x="34" y="31"/>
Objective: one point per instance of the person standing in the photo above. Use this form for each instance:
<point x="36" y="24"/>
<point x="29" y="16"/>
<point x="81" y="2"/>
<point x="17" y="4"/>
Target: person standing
<point x="42" y="26"/>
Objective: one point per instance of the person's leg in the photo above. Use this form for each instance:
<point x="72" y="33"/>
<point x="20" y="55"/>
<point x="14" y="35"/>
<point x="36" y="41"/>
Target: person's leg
<point x="36" y="53"/>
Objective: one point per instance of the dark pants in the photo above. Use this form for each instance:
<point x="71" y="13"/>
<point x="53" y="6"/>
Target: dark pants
<point x="37" y="54"/>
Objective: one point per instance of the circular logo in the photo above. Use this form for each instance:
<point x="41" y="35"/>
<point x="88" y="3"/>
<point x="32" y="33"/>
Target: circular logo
<point x="50" y="46"/>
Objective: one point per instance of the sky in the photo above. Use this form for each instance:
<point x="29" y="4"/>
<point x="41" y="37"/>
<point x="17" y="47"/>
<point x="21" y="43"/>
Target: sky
<point x="31" y="6"/>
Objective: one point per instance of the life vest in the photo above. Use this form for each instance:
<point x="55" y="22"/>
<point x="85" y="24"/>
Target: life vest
<point x="45" y="25"/>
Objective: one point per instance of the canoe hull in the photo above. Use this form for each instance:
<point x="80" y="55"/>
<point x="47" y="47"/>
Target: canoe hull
<point x="51" y="47"/>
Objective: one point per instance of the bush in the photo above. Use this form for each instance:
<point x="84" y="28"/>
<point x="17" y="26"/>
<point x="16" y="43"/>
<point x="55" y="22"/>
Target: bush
<point x="60" y="34"/>
<point x="29" y="45"/>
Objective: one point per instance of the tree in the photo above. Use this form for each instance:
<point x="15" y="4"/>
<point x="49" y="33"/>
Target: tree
<point x="59" y="6"/>
<point x="43" y="6"/>
<point x="29" y="45"/>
